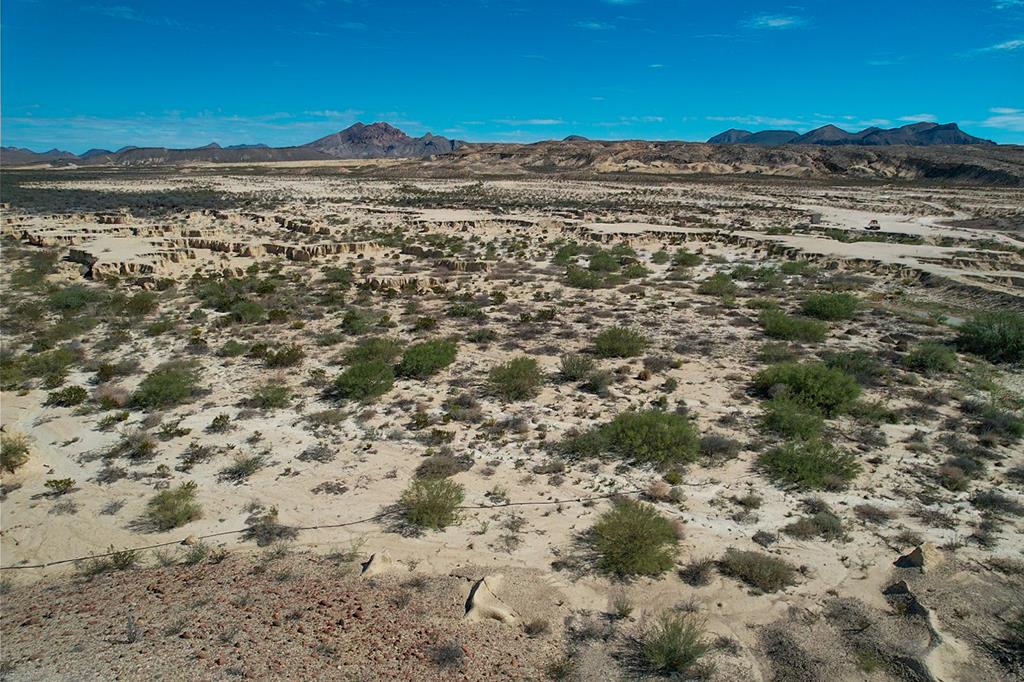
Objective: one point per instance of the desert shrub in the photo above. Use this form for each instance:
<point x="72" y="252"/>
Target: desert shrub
<point x="697" y="573"/>
<point x="597" y="382"/>
<point x="650" y="436"/>
<point x="762" y="571"/>
<point x="790" y="419"/>
<point x="60" y="486"/>
<point x="837" y="306"/>
<point x="174" y="507"/>
<point x="660" y="257"/>
<point x="861" y="365"/>
<point x="632" y="538"/>
<point x="779" y="325"/>
<point x="142" y="303"/>
<point x="14" y="451"/>
<point x="774" y="351"/>
<point x="996" y="501"/>
<point x="516" y="379"/>
<point x="424" y="359"/>
<point x="813" y="385"/>
<point x="365" y="380"/>
<point x="674" y="643"/>
<point x="232" y="349"/>
<point x="443" y="466"/>
<point x="992" y="423"/>
<point x="717" y="446"/>
<point x="602" y="261"/>
<point x="575" y="366"/>
<point x="243" y="467"/>
<point x="72" y="299"/>
<point x="931" y="357"/>
<point x="684" y="258"/>
<point x="822" y="524"/>
<point x="718" y="284"/>
<point x="285" y="356"/>
<point x="265" y="529"/>
<point x="996" y="336"/>
<point x="247" y="312"/>
<point x="620" y="342"/>
<point x="378" y="348"/>
<point x="810" y="464"/>
<point x="137" y="446"/>
<point x="581" y="278"/>
<point x="270" y="396"/>
<point x="169" y="384"/>
<point x="67" y="397"/>
<point x="431" y="502"/>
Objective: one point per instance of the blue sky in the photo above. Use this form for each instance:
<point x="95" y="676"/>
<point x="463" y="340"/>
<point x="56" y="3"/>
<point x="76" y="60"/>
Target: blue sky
<point x="108" y="73"/>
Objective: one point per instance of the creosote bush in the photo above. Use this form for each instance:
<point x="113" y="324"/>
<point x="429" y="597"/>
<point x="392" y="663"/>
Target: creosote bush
<point x="365" y="380"/>
<point x="632" y="538"/>
<point x="575" y="366"/>
<point x="762" y="571"/>
<point x="810" y="464"/>
<point x="517" y="379"/>
<point x="174" y="507"/>
<point x="675" y="643"/>
<point x="931" y="357"/>
<point x="620" y="342"/>
<point x="68" y="396"/>
<point x="650" y="436"/>
<point x="378" y="348"/>
<point x="996" y="336"/>
<point x="431" y="502"/>
<point x="779" y="325"/>
<point x="169" y="384"/>
<point x="421" y="360"/>
<point x="837" y="306"/>
<point x="813" y="385"/>
<point x="718" y="284"/>
<point x="790" y="419"/>
<point x="14" y="451"/>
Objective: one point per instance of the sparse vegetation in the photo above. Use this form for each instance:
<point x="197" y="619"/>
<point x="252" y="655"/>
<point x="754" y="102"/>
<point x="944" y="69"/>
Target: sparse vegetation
<point x="632" y="538"/>
<point x="652" y="437"/>
<point x="620" y="342"/>
<point x="996" y="336"/>
<point x="425" y="359"/>
<point x="761" y="571"/>
<point x="168" y="385"/>
<point x="365" y="380"/>
<point x="812" y="385"/>
<point x="810" y="464"/>
<point x="431" y="502"/>
<point x="779" y="325"/>
<point x="14" y="451"/>
<point x="516" y="379"/>
<point x="831" y="306"/>
<point x="675" y="643"/>
<point x="174" y="507"/>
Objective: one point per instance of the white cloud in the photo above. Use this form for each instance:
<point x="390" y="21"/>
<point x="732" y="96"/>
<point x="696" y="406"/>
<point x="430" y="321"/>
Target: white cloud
<point x="593" y="25"/>
<point x="1005" y="118"/>
<point x="917" y="118"/>
<point x="775" y="21"/>
<point x="655" y="66"/>
<point x="1007" y="46"/>
<point x="758" y="120"/>
<point x="530" y="121"/>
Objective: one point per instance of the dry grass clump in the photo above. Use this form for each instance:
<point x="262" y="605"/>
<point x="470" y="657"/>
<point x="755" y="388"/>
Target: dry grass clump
<point x="675" y="643"/>
<point x="761" y="571"/>
<point x="14" y="451"/>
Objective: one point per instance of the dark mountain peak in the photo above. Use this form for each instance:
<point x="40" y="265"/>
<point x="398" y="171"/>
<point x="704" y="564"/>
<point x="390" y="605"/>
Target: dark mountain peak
<point x="212" y="145"/>
<point x="923" y="133"/>
<point x="380" y="140"/>
<point x="575" y="138"/>
<point x="731" y="136"/>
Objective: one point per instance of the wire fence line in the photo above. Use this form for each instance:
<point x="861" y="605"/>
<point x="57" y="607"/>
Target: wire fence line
<point x="344" y="524"/>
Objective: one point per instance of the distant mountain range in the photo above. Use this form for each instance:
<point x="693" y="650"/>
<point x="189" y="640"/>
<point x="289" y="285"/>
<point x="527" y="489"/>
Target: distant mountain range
<point x="382" y="140"/>
<point x="359" y="141"/>
<point x="915" y="134"/>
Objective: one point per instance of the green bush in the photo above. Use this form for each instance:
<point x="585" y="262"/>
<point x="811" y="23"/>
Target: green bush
<point x="14" y="451"/>
<point x="232" y="349"/>
<point x="632" y="538"/>
<point x="67" y="397"/>
<point x="377" y="348"/>
<point x="243" y="466"/>
<point x="718" y="284"/>
<point x="270" y="396"/>
<point x="247" y="312"/>
<point x="996" y="336"/>
<point x="620" y="342"/>
<point x="931" y="357"/>
<point x="779" y="325"/>
<point x="424" y="359"/>
<point x="602" y="261"/>
<point x="650" y="436"/>
<point x="762" y="571"/>
<point x="365" y="380"/>
<point x="811" y="384"/>
<point x="581" y="278"/>
<point x="285" y="356"/>
<point x="810" y="464"/>
<point x="789" y="419"/>
<point x="72" y="299"/>
<point x="838" y="306"/>
<point x="142" y="303"/>
<point x="169" y="384"/>
<point x="675" y="643"/>
<point x="575" y="366"/>
<point x="516" y="379"/>
<point x="175" y="507"/>
<point x="431" y="502"/>
<point x="684" y="258"/>
<point x="861" y="365"/>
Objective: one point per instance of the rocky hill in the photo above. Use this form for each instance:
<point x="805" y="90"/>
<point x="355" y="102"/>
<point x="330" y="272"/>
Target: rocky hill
<point x="915" y="134"/>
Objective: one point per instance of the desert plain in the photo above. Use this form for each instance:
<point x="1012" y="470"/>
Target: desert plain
<point x="347" y="420"/>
